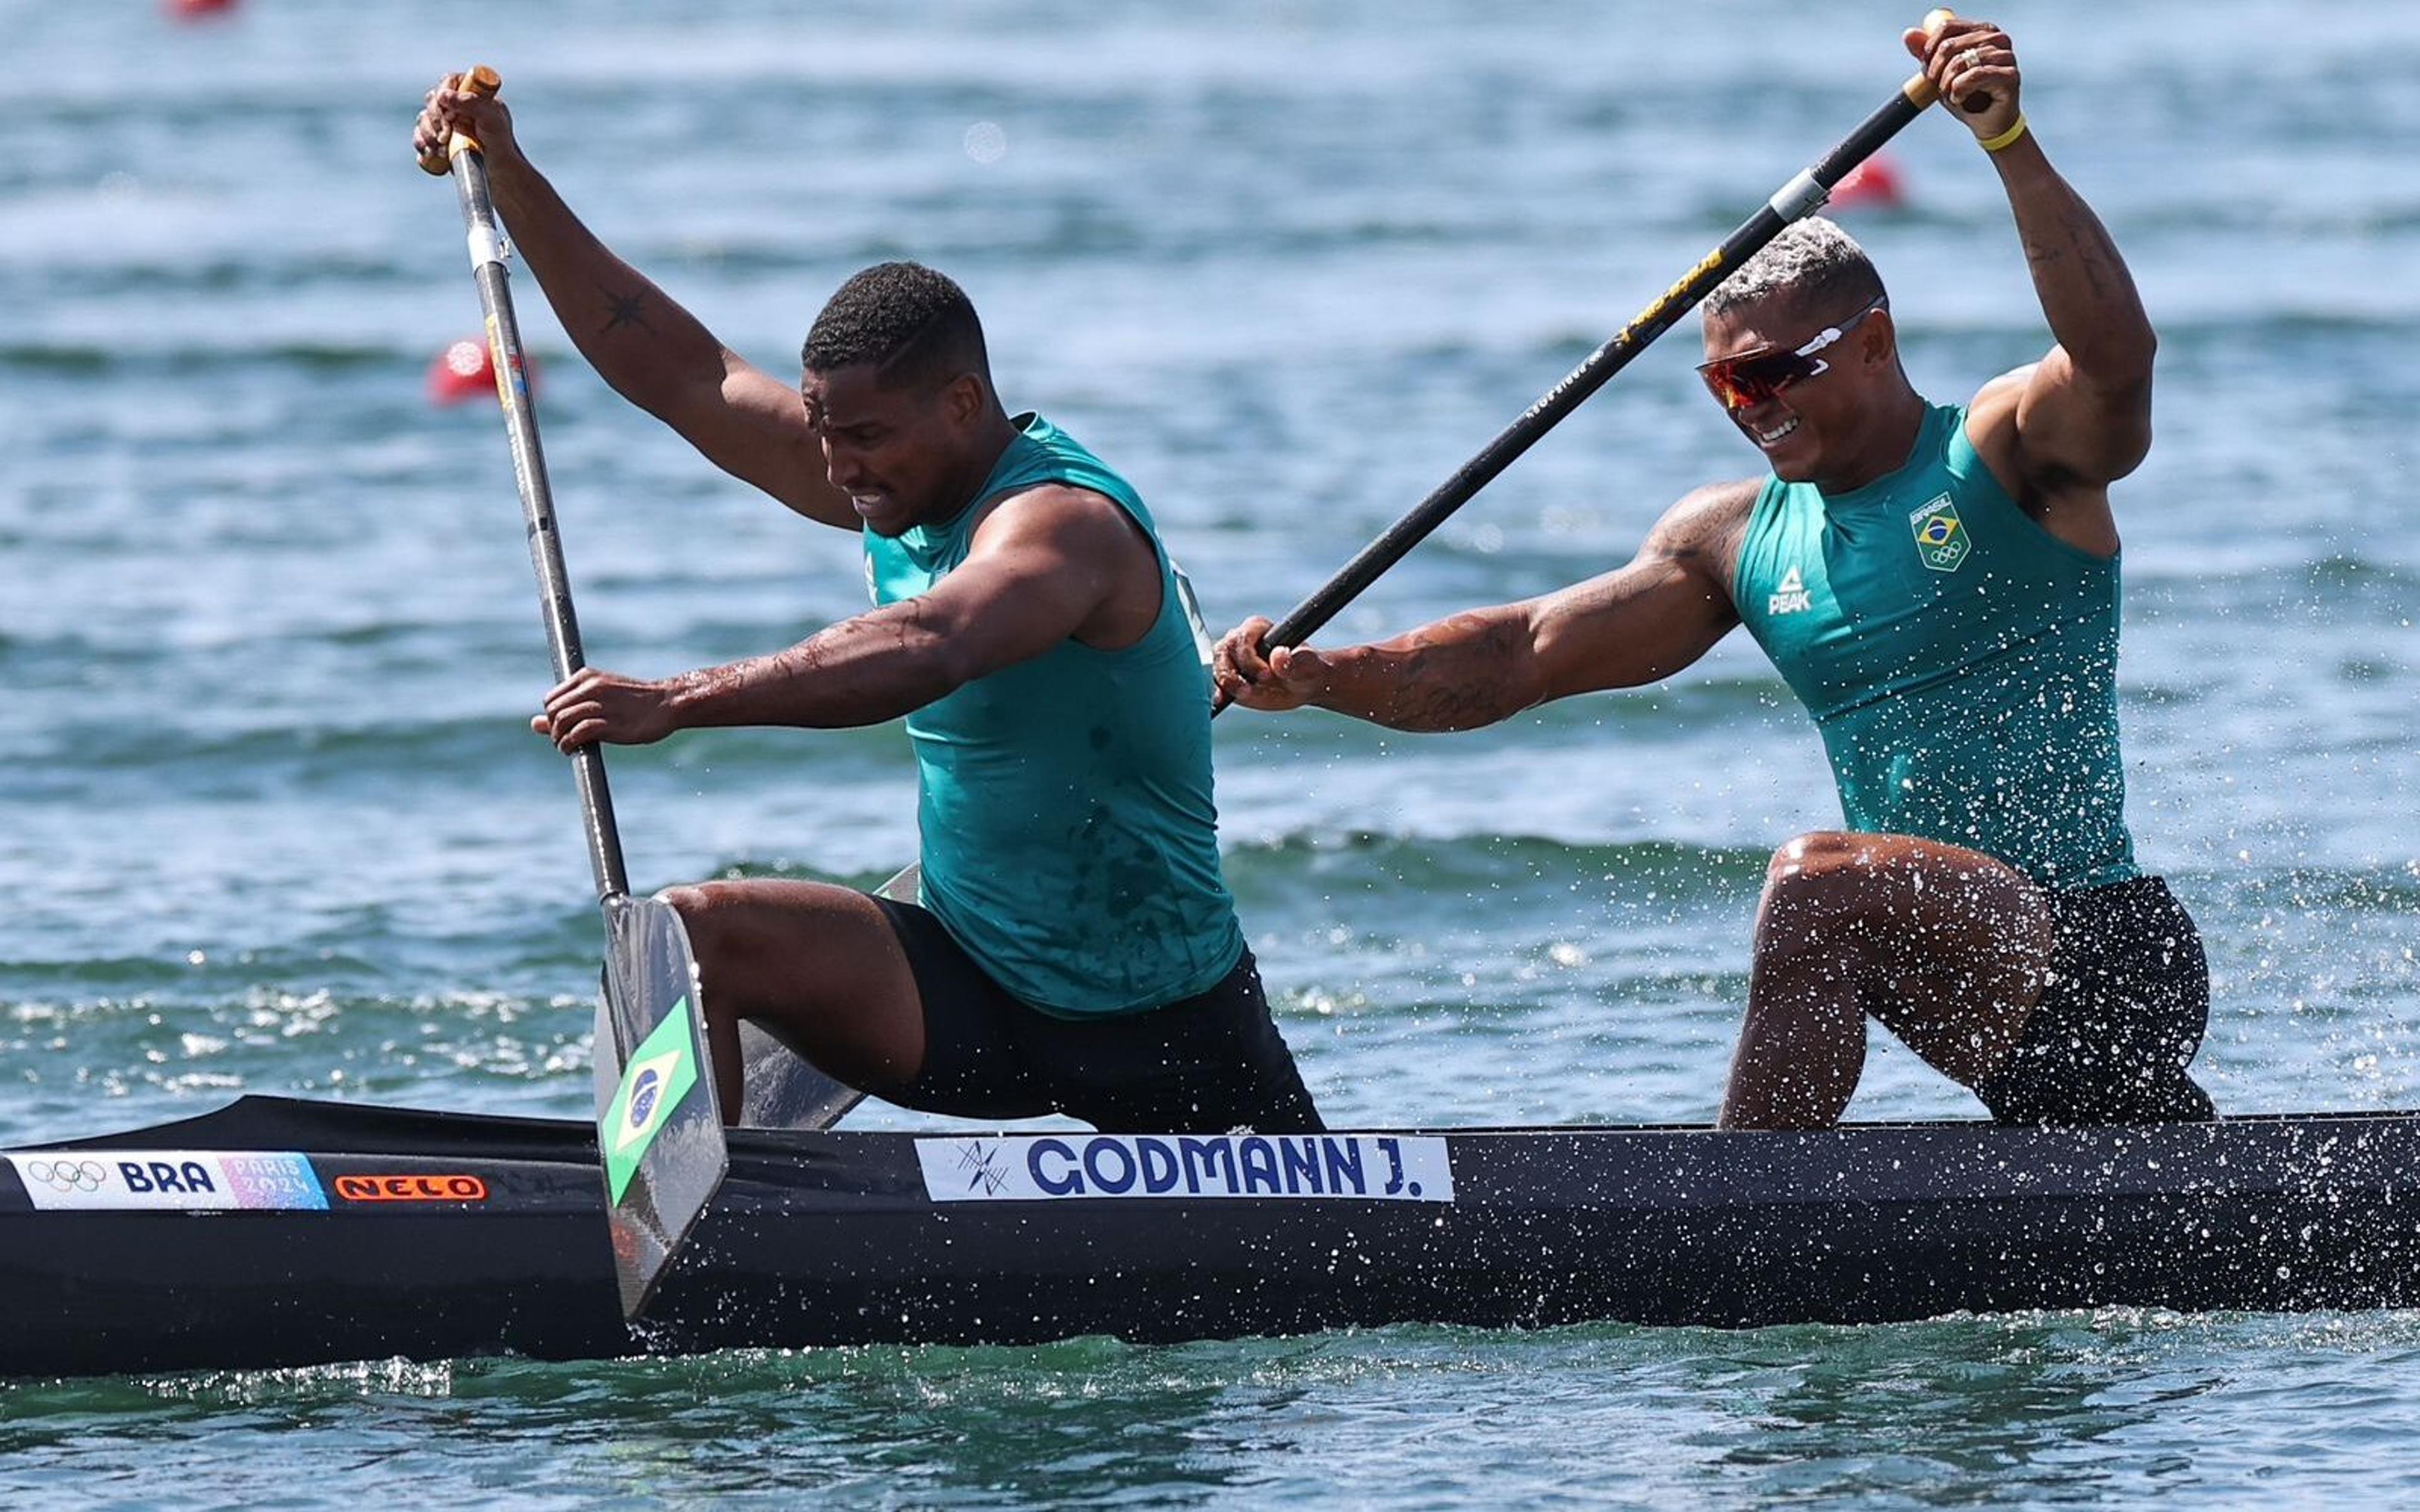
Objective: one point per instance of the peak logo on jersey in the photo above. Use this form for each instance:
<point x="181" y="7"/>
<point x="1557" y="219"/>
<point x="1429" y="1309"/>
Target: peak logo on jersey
<point x="1791" y="596"/>
<point x="1940" y="542"/>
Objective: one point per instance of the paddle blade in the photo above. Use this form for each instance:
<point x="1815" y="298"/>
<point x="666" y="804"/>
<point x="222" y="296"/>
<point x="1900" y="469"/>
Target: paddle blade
<point x="782" y="1090"/>
<point x="659" y="1131"/>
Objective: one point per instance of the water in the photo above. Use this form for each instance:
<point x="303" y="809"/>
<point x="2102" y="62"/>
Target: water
<point x="269" y="821"/>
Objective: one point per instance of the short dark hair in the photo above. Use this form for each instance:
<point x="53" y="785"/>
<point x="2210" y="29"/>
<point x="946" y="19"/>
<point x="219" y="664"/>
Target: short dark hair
<point x="912" y="324"/>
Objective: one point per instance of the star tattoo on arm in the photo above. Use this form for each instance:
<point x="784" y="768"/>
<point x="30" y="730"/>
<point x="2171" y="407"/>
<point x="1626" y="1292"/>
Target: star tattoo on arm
<point x="624" y="310"/>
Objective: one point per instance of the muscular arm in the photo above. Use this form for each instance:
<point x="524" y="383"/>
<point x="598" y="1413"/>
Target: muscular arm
<point x="1644" y="622"/>
<point x="661" y="358"/>
<point x="2083" y="414"/>
<point x="1044" y="566"/>
<point x="1463" y="672"/>
<point x="652" y="352"/>
<point x="2062" y="430"/>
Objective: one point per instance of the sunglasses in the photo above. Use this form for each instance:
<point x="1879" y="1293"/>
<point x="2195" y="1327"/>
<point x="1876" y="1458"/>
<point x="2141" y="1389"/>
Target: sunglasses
<point x="1756" y="377"/>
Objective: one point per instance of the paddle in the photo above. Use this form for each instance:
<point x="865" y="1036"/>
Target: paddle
<point x="1802" y="196"/>
<point x="659" y="1132"/>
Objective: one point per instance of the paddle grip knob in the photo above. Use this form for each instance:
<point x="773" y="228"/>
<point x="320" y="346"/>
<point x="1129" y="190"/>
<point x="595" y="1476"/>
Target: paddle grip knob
<point x="1976" y="103"/>
<point x="483" y="81"/>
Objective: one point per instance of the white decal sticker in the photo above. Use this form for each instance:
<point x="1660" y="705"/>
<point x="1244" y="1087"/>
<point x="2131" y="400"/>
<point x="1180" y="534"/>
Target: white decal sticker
<point x="188" y="1180"/>
<point x="486" y="246"/>
<point x="1187" y="1167"/>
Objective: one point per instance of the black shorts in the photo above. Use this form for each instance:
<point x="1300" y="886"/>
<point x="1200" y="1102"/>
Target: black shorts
<point x="1206" y="1064"/>
<point x="2121" y="1020"/>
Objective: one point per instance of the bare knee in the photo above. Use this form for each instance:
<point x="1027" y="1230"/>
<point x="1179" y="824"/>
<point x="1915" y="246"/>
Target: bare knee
<point x="1813" y="857"/>
<point x="762" y="941"/>
<point x="739" y="924"/>
<point x="1833" y="876"/>
<point x="705" y="908"/>
<point x="1813" y="881"/>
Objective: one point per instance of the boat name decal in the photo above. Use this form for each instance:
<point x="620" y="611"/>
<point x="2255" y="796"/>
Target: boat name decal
<point x="1042" y="1167"/>
<point x="412" y="1189"/>
<point x="193" y="1181"/>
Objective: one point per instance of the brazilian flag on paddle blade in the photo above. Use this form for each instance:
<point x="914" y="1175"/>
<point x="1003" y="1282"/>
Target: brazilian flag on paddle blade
<point x="659" y="1131"/>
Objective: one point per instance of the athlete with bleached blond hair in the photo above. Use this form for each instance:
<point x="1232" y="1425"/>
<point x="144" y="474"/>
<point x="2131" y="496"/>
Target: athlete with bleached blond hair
<point x="1938" y="584"/>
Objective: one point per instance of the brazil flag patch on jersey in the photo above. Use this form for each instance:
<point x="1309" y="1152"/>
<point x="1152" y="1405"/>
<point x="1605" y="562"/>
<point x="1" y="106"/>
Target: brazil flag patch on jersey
<point x="1940" y="535"/>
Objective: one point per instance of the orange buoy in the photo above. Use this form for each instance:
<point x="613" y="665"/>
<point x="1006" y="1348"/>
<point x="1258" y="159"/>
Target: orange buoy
<point x="1873" y="184"/>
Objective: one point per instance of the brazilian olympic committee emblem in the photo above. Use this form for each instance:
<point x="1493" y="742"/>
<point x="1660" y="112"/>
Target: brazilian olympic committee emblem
<point x="1941" y="540"/>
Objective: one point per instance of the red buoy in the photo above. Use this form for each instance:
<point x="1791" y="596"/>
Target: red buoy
<point x="197" y="10"/>
<point x="1873" y="184"/>
<point x="462" y="371"/>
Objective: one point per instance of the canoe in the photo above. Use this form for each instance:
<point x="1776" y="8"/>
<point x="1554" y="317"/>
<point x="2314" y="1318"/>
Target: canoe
<point x="279" y="1232"/>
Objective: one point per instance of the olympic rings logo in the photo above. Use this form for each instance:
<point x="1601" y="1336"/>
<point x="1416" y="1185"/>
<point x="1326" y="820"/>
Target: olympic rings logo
<point x="67" y="1174"/>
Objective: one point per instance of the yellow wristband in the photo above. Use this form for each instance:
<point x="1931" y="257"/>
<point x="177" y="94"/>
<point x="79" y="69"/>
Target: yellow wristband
<point x="2007" y="138"/>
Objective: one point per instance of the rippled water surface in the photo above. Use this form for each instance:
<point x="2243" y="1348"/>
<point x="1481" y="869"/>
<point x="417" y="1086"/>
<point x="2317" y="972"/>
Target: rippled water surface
<point x="268" y="819"/>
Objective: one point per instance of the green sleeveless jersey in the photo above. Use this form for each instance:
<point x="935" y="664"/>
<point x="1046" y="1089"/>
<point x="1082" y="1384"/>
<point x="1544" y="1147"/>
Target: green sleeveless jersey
<point x="1961" y="660"/>
<point x="1070" y="843"/>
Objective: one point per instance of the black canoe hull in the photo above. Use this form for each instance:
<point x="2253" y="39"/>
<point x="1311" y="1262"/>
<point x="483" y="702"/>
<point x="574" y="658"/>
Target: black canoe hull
<point x="836" y="1238"/>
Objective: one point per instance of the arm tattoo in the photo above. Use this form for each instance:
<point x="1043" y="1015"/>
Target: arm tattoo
<point x="2090" y="242"/>
<point x="2099" y="252"/>
<point x="1450" y="686"/>
<point x="624" y="310"/>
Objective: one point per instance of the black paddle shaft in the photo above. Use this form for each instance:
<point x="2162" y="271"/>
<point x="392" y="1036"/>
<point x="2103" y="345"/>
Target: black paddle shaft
<point x="537" y="506"/>
<point x="1801" y="196"/>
